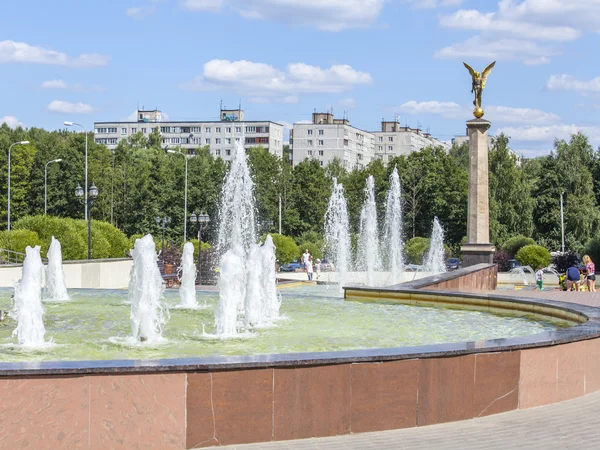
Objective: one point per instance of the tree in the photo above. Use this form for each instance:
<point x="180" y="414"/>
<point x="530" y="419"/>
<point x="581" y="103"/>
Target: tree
<point x="310" y="190"/>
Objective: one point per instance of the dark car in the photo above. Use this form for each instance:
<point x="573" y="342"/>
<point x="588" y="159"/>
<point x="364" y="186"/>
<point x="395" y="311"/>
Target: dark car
<point x="512" y="264"/>
<point x="453" y="263"/>
<point x="291" y="267"/>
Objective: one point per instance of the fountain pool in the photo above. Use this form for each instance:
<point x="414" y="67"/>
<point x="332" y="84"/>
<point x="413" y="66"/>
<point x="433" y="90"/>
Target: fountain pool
<point x="314" y="319"/>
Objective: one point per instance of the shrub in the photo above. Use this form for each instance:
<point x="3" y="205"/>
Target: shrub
<point x="286" y="249"/>
<point x="562" y="261"/>
<point x="515" y="243"/>
<point x="534" y="256"/>
<point x="314" y="249"/>
<point x="501" y="258"/>
<point x="593" y="250"/>
<point x="205" y="246"/>
<point x="415" y="249"/>
<point x="18" y="240"/>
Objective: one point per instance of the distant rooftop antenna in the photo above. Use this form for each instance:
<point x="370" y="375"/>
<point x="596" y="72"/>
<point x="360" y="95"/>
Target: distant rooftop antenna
<point x="221" y="104"/>
<point x="418" y="125"/>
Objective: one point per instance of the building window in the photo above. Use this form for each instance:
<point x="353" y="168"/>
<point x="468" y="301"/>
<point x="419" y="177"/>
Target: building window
<point x="321" y="142"/>
<point x="217" y="140"/>
<point x="345" y="142"/>
<point x="133" y="130"/>
<point x="143" y="130"/>
<point x="238" y="129"/>
<point x="310" y="142"/>
<point x="141" y="117"/>
<point x="228" y="130"/>
<point x="237" y="139"/>
<point x="321" y="132"/>
<point x="112" y="130"/>
<point x="218" y="152"/>
<point x="207" y="130"/>
<point x="310" y="132"/>
<point x="320" y="152"/>
<point x="207" y="141"/>
<point x="250" y="129"/>
<point x="380" y="148"/>
<point x="321" y="162"/>
<point x="228" y="152"/>
<point x="360" y="157"/>
<point x="228" y="140"/>
<point x="390" y="139"/>
<point x="390" y="148"/>
<point x="196" y="129"/>
<point x="218" y="130"/>
<point x="380" y="138"/>
<point x="309" y="152"/>
<point x="101" y="130"/>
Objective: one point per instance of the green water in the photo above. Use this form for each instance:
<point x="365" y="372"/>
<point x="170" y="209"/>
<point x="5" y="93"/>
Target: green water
<point x="95" y="325"/>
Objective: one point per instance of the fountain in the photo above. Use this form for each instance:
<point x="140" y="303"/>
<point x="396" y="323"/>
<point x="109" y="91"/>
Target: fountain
<point x="436" y="257"/>
<point x="27" y="307"/>
<point x="187" y="290"/>
<point x="337" y="232"/>
<point x="368" y="244"/>
<point x="522" y="272"/>
<point x="243" y="273"/>
<point x="145" y="293"/>
<point x="394" y="245"/>
<point x="56" y="289"/>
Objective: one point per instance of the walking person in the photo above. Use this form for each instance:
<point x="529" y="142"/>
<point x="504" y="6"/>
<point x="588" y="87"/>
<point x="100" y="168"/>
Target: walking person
<point x="305" y="257"/>
<point x="539" y="278"/>
<point x="590" y="268"/>
<point x="309" y="268"/>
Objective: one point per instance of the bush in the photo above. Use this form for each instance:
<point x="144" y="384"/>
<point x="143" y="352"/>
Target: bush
<point x="286" y="249"/>
<point x="562" y="261"/>
<point x="107" y="240"/>
<point x="205" y="246"/>
<point x="534" y="256"/>
<point x="593" y="250"/>
<point x="515" y="243"/>
<point x="501" y="258"/>
<point x="18" y="240"/>
<point x="415" y="249"/>
<point x="314" y="249"/>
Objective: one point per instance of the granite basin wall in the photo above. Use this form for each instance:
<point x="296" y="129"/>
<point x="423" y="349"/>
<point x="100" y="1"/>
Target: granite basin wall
<point x="204" y="409"/>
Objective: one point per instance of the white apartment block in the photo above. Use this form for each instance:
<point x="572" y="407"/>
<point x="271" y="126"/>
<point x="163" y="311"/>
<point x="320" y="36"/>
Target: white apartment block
<point x="327" y="138"/>
<point x="221" y="136"/>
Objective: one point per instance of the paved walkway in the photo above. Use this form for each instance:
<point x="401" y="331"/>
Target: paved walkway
<point x="570" y="425"/>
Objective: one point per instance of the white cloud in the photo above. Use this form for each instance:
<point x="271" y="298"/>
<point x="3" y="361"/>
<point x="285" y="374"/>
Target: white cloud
<point x="430" y="4"/>
<point x="448" y="110"/>
<point x="500" y="49"/>
<point x="11" y="121"/>
<point x="570" y="83"/>
<point x="20" y="52"/>
<point x="329" y="15"/>
<point x="286" y="100"/>
<point x="140" y="12"/>
<point x="549" y="133"/>
<point x="59" y="106"/>
<point x="264" y="82"/>
<point x="60" y="84"/>
<point x="347" y="103"/>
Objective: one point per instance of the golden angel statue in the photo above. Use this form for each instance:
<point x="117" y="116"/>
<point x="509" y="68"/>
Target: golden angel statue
<point x="479" y="80"/>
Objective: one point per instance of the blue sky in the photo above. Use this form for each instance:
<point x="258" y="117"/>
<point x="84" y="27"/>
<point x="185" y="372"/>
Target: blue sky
<point x="95" y="60"/>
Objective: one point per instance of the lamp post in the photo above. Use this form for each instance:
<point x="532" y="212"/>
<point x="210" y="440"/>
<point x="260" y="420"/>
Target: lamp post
<point x="185" y="189"/>
<point x="46" y="183"/>
<point x="9" y="149"/>
<point x="202" y="219"/>
<point x="163" y="221"/>
<point x="88" y="200"/>
<point x="562" y="221"/>
<point x="85" y="187"/>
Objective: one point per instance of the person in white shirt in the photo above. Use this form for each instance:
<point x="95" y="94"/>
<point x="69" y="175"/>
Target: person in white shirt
<point x="309" y="269"/>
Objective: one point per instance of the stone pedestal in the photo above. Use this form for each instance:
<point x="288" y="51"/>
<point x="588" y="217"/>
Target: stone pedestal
<point x="478" y="249"/>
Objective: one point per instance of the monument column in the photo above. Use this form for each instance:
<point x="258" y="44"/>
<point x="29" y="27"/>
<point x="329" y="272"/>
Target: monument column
<point x="478" y="249"/>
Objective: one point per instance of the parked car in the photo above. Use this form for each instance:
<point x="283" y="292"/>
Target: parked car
<point x="326" y="266"/>
<point x="453" y="264"/>
<point x="512" y="264"/>
<point x="291" y="267"/>
<point x="413" y="268"/>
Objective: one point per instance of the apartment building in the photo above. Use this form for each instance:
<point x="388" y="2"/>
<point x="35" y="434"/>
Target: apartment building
<point x="326" y="138"/>
<point x="220" y="135"/>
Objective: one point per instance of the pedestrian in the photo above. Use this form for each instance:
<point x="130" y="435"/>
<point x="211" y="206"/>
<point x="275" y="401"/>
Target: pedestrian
<point x="309" y="269"/>
<point x="539" y="278"/>
<point x="318" y="268"/>
<point x="590" y="268"/>
<point x="573" y="277"/>
<point x="305" y="257"/>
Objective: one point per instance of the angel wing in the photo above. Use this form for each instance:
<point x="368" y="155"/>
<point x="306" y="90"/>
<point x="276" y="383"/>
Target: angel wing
<point x="486" y="72"/>
<point x="471" y="71"/>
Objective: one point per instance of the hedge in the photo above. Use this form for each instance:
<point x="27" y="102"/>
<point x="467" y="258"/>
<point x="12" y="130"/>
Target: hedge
<point x="534" y="256"/>
<point x="515" y="243"/>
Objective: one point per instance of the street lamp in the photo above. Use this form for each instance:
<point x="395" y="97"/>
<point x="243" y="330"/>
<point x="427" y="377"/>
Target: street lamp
<point x="90" y="196"/>
<point x="9" y="149"/>
<point x="164" y="221"/>
<point x="46" y="183"/>
<point x="562" y="221"/>
<point x="185" y="189"/>
<point x="85" y="187"/>
<point x="202" y="219"/>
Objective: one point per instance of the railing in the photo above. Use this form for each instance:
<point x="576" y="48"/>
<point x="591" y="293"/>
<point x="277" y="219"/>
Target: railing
<point x="12" y="257"/>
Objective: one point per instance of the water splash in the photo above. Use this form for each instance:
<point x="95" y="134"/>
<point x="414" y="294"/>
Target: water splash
<point x="368" y="244"/>
<point x="337" y="233"/>
<point x="231" y="285"/>
<point x="271" y="301"/>
<point x="187" y="290"/>
<point x="394" y="245"/>
<point x="56" y="289"/>
<point x="27" y="303"/>
<point x="436" y="257"/>
<point x="148" y="315"/>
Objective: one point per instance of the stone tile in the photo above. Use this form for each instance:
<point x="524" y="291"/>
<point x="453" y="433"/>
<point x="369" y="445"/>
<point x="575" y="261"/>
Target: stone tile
<point x="446" y="390"/>
<point x="539" y="373"/>
<point x="312" y="402"/>
<point x="46" y="412"/>
<point x="384" y="395"/>
<point x="571" y="371"/>
<point x="592" y="366"/>
<point x="496" y="383"/>
<point x="137" y="411"/>
<point x="243" y="404"/>
<point x="200" y="430"/>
